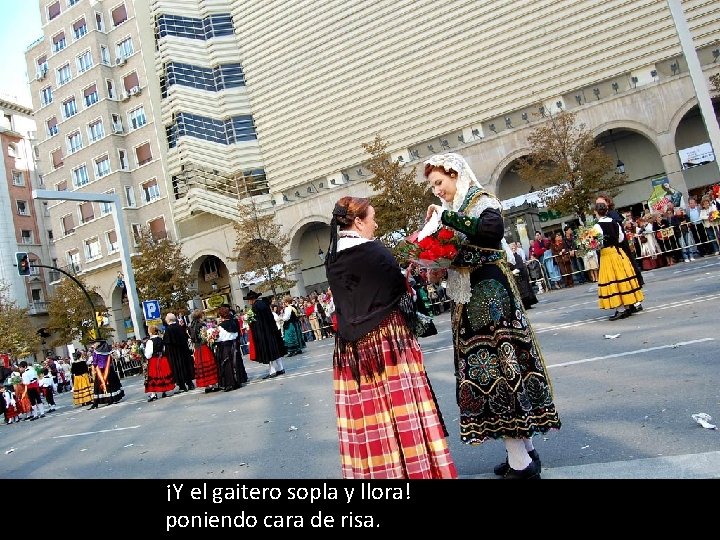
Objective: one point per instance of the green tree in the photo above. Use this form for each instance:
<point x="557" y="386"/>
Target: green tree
<point x="259" y="248"/>
<point x="162" y="272"/>
<point x="16" y="336"/>
<point x="70" y="315"/>
<point x="570" y="165"/>
<point x="400" y="201"/>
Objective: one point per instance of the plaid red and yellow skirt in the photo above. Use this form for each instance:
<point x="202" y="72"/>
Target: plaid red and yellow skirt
<point x="388" y="421"/>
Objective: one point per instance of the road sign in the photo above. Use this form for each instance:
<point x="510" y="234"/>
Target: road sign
<point x="151" y="309"/>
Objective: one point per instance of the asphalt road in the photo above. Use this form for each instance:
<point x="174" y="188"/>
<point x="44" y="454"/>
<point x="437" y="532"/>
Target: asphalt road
<point x="626" y="404"/>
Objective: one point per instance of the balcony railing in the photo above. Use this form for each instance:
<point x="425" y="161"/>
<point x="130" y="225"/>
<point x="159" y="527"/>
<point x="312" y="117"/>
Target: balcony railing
<point x="38" y="308"/>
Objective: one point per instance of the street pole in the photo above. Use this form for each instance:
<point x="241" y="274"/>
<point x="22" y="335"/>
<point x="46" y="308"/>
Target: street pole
<point x="696" y="74"/>
<point x="119" y="219"/>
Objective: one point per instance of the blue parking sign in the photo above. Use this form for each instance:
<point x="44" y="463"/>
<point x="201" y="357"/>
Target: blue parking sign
<point x="151" y="309"/>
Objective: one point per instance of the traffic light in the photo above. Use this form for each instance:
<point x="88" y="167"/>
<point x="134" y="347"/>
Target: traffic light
<point x="23" y="263"/>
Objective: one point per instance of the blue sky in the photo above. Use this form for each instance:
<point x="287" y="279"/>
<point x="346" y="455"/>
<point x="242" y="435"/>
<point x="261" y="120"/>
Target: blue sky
<point x="19" y="27"/>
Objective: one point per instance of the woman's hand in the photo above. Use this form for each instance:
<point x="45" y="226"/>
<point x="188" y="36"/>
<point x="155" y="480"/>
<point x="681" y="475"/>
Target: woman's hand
<point x="433" y="208"/>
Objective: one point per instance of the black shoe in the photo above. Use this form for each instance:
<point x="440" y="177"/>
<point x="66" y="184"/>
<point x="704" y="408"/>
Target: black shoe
<point x="616" y="316"/>
<point x="190" y="386"/>
<point x="281" y="372"/>
<point x="208" y="390"/>
<point x="268" y="376"/>
<point x="638" y="307"/>
<point x="504" y="467"/>
<point x="93" y="406"/>
<point x="531" y="472"/>
<point x="152" y="398"/>
<point x="228" y="389"/>
<point x="625" y="314"/>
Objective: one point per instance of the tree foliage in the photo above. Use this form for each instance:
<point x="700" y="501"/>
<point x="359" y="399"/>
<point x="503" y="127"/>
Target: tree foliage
<point x="259" y="247"/>
<point x="400" y="201"/>
<point x="162" y="272"/>
<point x="570" y="165"/>
<point x="70" y="315"/>
<point x="17" y="335"/>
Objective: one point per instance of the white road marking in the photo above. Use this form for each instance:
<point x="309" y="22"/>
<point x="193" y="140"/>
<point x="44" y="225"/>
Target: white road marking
<point x="629" y="353"/>
<point x="94" y="432"/>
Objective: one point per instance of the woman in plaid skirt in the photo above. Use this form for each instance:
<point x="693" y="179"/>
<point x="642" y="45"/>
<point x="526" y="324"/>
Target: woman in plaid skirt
<point x="388" y="421"/>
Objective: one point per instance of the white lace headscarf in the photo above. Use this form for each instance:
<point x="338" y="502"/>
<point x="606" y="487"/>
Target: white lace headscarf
<point x="458" y="286"/>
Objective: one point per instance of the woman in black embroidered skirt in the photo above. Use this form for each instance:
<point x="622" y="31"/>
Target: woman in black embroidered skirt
<point x="503" y="389"/>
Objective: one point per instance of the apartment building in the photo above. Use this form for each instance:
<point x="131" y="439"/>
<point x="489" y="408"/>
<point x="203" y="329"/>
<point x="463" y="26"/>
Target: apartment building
<point x="97" y="133"/>
<point x="272" y="100"/>
<point x="23" y="226"/>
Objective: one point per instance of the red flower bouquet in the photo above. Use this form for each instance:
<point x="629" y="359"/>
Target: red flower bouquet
<point x="434" y="251"/>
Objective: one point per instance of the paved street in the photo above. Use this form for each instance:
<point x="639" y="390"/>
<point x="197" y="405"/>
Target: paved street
<point x="626" y="404"/>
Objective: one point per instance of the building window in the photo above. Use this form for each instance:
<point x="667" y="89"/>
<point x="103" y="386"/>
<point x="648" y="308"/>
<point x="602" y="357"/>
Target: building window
<point x="84" y="62"/>
<point x="92" y="249"/>
<point x="68" y="224"/>
<point x="52" y="127"/>
<point x="87" y="212"/>
<point x="22" y="208"/>
<point x="143" y="154"/>
<point x="106" y="207"/>
<point x="117" y="124"/>
<point x="18" y="178"/>
<point x="80" y="176"/>
<point x="36" y="295"/>
<point x="50" y="235"/>
<point x="102" y="166"/>
<point x="235" y="129"/>
<point x="131" y="81"/>
<point x="124" y="48"/>
<point x="53" y="10"/>
<point x="130" y="196"/>
<point x="61" y="186"/>
<point x="111" y="240"/>
<point x="59" y="42"/>
<point x="73" y="259"/>
<point x="57" y="158"/>
<point x="46" y="96"/>
<point x="79" y="28"/>
<point x="63" y="74"/>
<point x="210" y="270"/>
<point x="119" y="15"/>
<point x="104" y="55"/>
<point x="90" y="94"/>
<point x="96" y="130"/>
<point x="69" y="107"/>
<point x="99" y="23"/>
<point x="74" y="142"/>
<point x="26" y="237"/>
<point x="137" y="233"/>
<point x="122" y="157"/>
<point x="137" y="118"/>
<point x="157" y="228"/>
<point x="210" y="79"/>
<point x="192" y="28"/>
<point x="151" y="191"/>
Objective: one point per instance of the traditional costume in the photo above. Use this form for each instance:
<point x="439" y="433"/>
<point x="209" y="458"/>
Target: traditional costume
<point x="206" y="366"/>
<point x="266" y="339"/>
<point x="503" y="389"/>
<point x="107" y="388"/>
<point x="82" y="389"/>
<point x="388" y="421"/>
<point x="159" y="373"/>
<point x="617" y="281"/>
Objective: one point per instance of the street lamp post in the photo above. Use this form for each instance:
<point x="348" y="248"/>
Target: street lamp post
<point x="119" y="218"/>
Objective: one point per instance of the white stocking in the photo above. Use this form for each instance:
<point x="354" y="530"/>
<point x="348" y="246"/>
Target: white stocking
<point x="518" y="457"/>
<point x="528" y="445"/>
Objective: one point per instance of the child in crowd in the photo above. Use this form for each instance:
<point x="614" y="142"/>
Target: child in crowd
<point x="47" y="386"/>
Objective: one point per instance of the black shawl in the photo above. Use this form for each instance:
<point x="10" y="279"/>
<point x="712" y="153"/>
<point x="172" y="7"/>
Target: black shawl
<point x="367" y="285"/>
